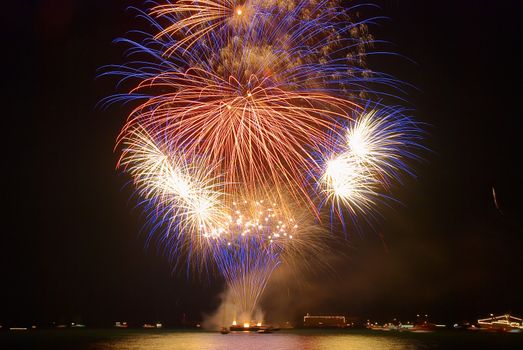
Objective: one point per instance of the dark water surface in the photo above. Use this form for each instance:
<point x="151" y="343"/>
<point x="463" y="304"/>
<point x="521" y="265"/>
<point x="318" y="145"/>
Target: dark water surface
<point x="87" y="339"/>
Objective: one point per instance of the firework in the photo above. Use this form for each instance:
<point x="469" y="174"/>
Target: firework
<point x="371" y="156"/>
<point x="255" y="240"/>
<point x="383" y="140"/>
<point x="259" y="139"/>
<point x="194" y="21"/>
<point x="244" y="242"/>
<point x="253" y="244"/>
<point x="349" y="184"/>
<point x="254" y="101"/>
<point x="242" y="100"/>
<point x="181" y="196"/>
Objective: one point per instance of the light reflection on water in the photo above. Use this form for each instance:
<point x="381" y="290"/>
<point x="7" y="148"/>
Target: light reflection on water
<point x="251" y="341"/>
<point x="134" y="339"/>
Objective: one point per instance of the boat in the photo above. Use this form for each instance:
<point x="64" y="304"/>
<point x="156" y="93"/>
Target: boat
<point x="244" y="328"/>
<point x="504" y="323"/>
<point x="253" y="327"/>
<point x="225" y="330"/>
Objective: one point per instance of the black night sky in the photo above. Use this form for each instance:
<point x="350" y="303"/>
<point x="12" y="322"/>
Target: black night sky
<point x="70" y="247"/>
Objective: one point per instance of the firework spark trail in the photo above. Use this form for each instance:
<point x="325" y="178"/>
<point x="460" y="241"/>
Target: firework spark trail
<point x="246" y="264"/>
<point x="196" y="21"/>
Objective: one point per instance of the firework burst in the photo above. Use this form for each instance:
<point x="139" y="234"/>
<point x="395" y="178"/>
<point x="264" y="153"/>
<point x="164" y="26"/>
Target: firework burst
<point x="242" y="100"/>
<point x="368" y="159"/>
<point x="182" y="197"/>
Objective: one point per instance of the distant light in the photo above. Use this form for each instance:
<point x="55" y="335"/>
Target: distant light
<point x="246" y="325"/>
<point x="239" y="12"/>
<point x="259" y="324"/>
<point x="234" y="323"/>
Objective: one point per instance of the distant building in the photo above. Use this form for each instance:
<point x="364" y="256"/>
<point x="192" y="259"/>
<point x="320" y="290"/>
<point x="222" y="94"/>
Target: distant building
<point x="311" y="321"/>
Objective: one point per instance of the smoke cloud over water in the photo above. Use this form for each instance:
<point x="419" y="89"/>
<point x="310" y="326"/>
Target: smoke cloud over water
<point x="228" y="312"/>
